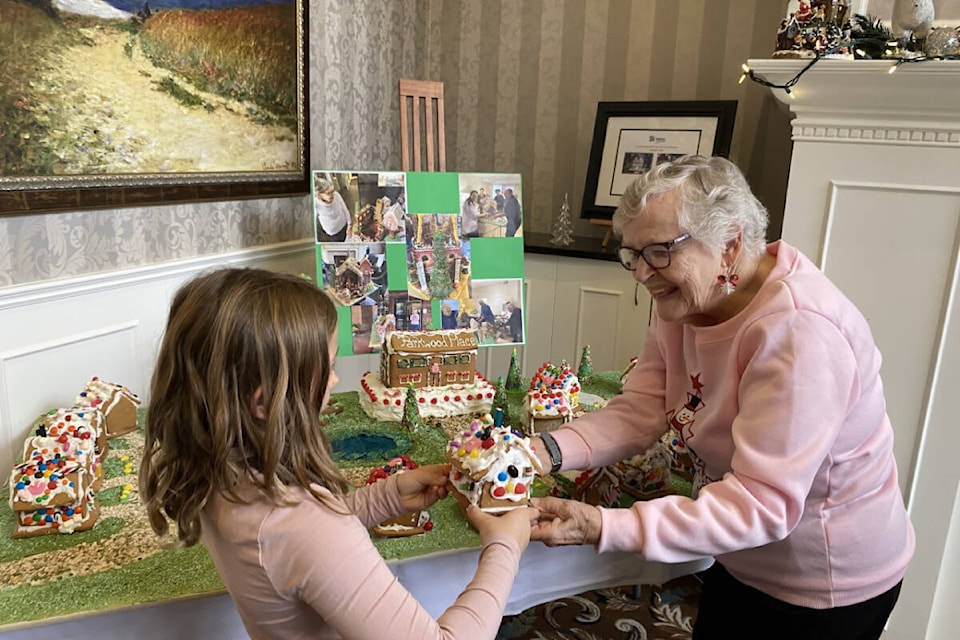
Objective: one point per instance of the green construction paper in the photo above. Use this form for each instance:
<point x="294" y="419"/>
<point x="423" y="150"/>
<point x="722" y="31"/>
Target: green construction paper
<point x="345" y="332"/>
<point x="436" y="315"/>
<point x="495" y="258"/>
<point x="433" y="192"/>
<point x="396" y="266"/>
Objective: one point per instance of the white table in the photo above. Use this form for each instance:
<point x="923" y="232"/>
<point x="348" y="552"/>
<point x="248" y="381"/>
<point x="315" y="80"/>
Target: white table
<point x="435" y="580"/>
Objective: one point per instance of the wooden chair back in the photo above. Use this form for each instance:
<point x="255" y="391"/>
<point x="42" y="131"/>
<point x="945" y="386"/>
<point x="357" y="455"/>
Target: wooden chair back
<point x="422" y="144"/>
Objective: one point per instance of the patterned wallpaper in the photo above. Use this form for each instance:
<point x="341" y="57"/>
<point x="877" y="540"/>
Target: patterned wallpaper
<point x="522" y="79"/>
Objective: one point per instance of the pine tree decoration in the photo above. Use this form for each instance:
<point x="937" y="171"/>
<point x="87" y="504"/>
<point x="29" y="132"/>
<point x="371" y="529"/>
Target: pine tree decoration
<point x="440" y="285"/>
<point x="411" y="413"/>
<point x="513" y="374"/>
<point x="585" y="370"/>
<point x="500" y="400"/>
<point x="563" y="227"/>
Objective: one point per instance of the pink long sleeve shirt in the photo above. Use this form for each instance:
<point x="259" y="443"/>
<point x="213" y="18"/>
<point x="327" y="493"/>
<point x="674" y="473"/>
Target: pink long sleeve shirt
<point x="783" y="411"/>
<point x="304" y="571"/>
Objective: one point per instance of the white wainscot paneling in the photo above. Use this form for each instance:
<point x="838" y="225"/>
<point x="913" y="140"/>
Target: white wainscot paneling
<point x="58" y="334"/>
<point x="909" y="271"/>
<point x="49" y="375"/>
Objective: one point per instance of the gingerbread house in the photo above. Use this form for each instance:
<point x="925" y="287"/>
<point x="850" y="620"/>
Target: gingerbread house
<point x="411" y="523"/>
<point x="116" y="402"/>
<point x="428" y="358"/>
<point x="647" y="475"/>
<point x="53" y="489"/>
<point x="492" y="467"/>
<point x="600" y="487"/>
<point x="352" y="280"/>
<point x="552" y="400"/>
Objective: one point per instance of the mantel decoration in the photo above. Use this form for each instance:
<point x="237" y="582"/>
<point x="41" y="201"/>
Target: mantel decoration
<point x="819" y="30"/>
<point x="114" y="107"/>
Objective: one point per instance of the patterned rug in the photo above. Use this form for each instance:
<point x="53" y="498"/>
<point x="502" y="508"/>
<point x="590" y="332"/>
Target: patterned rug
<point x="663" y="612"/>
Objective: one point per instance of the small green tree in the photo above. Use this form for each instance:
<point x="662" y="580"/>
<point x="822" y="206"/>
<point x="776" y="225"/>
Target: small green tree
<point x="585" y="370"/>
<point x="500" y="400"/>
<point x="514" y="380"/>
<point x="440" y="284"/>
<point x="411" y="412"/>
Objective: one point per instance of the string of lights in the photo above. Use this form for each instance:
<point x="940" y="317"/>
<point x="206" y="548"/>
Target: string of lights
<point x="856" y="44"/>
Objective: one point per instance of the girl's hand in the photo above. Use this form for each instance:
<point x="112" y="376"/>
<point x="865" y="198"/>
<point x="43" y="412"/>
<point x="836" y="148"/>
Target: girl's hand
<point x="564" y="522"/>
<point x="515" y="523"/>
<point x="423" y="486"/>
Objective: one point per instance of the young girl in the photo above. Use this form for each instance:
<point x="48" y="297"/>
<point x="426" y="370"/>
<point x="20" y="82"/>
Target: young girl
<point x="235" y="456"/>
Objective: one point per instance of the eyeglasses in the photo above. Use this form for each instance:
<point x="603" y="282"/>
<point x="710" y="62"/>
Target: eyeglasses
<point x="656" y="255"/>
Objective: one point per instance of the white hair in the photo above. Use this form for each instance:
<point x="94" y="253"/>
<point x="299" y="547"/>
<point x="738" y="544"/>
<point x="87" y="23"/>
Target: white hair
<point x="714" y="201"/>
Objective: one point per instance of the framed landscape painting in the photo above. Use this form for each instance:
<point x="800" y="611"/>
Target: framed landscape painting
<point x="114" y="103"/>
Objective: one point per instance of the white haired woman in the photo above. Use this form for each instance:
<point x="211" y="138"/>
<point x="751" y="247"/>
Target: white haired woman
<point x="333" y="217"/>
<point x="771" y="377"/>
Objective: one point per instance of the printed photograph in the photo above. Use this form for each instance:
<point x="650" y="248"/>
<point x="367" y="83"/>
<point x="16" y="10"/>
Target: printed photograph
<point x="396" y="312"/>
<point x="490" y="205"/>
<point x="438" y="259"/>
<point x="354" y="274"/>
<point x="359" y="207"/>
<point x="495" y="311"/>
<point x="637" y="162"/>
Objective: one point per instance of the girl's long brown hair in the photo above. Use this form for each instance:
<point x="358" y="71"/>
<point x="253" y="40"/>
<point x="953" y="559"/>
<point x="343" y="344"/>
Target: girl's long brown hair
<point x="230" y="333"/>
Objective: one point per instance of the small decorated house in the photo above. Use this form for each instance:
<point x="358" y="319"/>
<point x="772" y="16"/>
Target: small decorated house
<point x="492" y="467"/>
<point x="599" y="487"/>
<point x="428" y="358"/>
<point x="353" y="279"/>
<point x="116" y="402"/>
<point x="553" y="399"/>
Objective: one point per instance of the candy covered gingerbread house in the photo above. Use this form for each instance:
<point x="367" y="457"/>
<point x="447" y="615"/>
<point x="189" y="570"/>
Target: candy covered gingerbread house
<point x="53" y="489"/>
<point x="552" y="400"/>
<point x="117" y="403"/>
<point x="492" y="467"/>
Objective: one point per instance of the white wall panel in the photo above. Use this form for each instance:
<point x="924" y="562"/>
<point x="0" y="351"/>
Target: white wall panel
<point x="899" y="277"/>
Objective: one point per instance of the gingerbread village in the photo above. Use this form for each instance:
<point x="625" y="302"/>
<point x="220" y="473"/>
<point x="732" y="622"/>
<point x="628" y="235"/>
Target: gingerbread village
<point x="76" y="476"/>
<point x="425" y="378"/>
<point x="54" y="488"/>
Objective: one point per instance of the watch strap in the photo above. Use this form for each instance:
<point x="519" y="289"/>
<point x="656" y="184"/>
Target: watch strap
<point x="556" y="458"/>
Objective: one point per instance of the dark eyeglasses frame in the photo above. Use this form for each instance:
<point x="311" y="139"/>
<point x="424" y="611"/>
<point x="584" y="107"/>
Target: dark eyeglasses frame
<point x="628" y="255"/>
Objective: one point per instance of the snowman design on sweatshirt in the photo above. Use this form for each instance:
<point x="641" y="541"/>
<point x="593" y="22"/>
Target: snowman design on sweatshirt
<point x="682" y="420"/>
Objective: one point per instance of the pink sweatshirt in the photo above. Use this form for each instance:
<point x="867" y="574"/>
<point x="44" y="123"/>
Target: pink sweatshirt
<point x="304" y="571"/>
<point x="783" y="411"/>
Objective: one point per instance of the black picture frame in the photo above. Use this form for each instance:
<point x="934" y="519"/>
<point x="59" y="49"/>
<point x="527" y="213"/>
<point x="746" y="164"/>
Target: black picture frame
<point x="630" y="138"/>
<point x="91" y="187"/>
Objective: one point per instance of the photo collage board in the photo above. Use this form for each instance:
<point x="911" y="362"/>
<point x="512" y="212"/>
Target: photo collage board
<point x="419" y="251"/>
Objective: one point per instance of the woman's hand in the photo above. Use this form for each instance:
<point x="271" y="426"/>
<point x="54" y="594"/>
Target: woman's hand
<point x="515" y="523"/>
<point x="564" y="522"/>
<point x="537" y="445"/>
<point x="421" y="487"/>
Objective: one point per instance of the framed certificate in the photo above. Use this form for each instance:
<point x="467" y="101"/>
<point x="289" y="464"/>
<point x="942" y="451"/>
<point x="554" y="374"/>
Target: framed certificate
<point x="630" y="138"/>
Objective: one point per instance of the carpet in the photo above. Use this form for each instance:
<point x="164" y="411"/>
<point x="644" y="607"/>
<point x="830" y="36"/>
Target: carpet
<point x="664" y="612"/>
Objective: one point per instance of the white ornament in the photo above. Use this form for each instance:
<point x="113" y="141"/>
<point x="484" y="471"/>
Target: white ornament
<point x="912" y="17"/>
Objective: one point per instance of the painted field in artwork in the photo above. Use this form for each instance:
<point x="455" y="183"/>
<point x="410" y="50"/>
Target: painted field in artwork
<point x="126" y="88"/>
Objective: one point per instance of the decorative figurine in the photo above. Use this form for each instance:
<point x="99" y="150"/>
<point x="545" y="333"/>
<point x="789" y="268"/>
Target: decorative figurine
<point x="912" y="21"/>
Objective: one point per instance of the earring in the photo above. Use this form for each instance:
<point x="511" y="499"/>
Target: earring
<point x="727" y="283"/>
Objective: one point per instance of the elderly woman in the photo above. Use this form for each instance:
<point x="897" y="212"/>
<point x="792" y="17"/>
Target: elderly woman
<point x="772" y="378"/>
<point x="333" y="217"/>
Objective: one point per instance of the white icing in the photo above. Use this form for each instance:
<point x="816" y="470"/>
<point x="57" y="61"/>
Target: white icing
<point x="438" y="402"/>
<point x="108" y="394"/>
<point x="507" y="463"/>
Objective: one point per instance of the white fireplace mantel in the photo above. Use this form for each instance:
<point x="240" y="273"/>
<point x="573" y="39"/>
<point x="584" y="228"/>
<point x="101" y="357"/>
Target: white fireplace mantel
<point x="874" y="199"/>
<point x="861" y="101"/>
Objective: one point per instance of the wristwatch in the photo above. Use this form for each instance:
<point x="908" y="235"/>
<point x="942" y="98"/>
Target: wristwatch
<point x="556" y="458"/>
